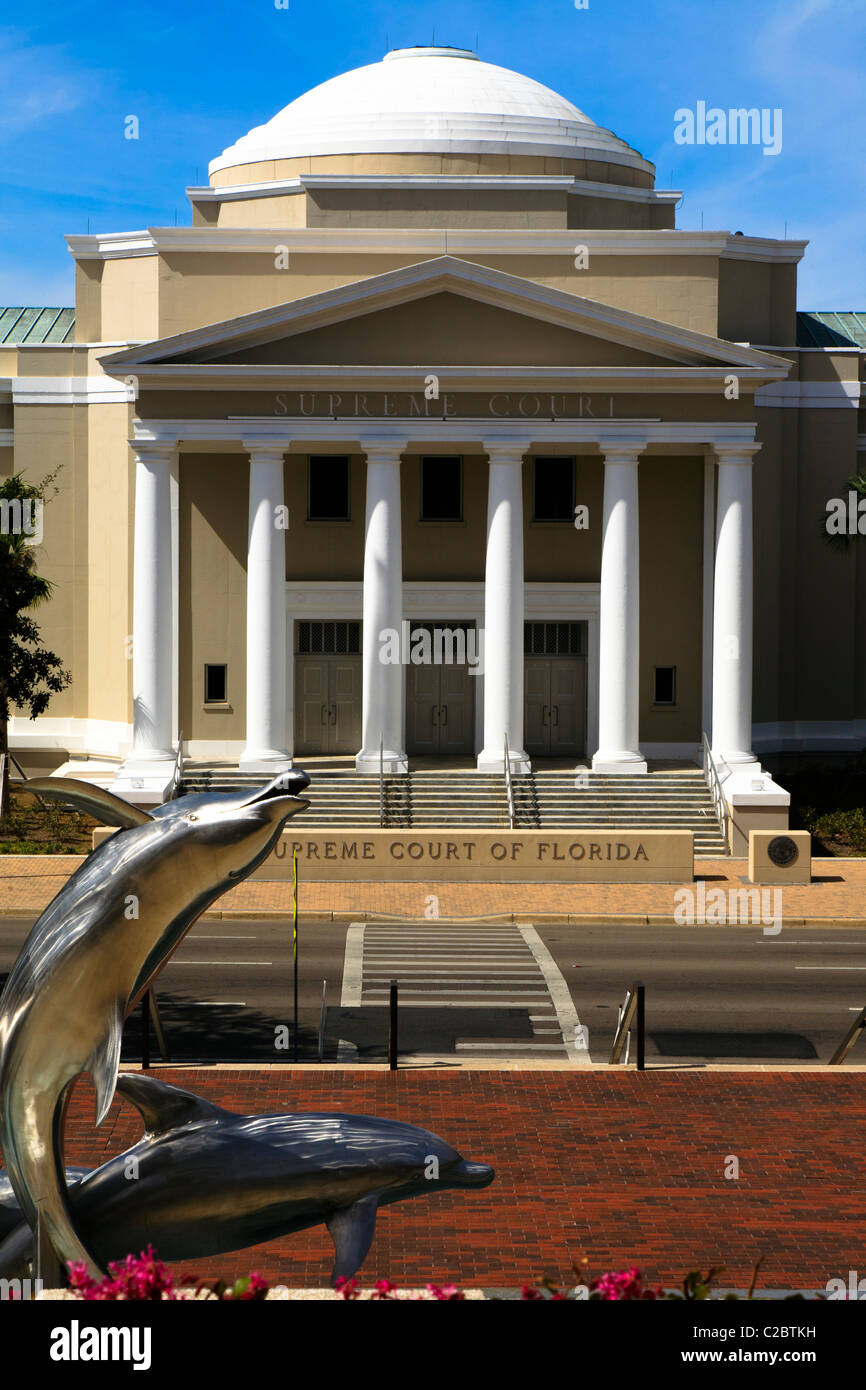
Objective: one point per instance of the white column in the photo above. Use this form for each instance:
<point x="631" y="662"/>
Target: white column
<point x="151" y="604"/>
<point x="267" y="702"/>
<point x="619" y="618"/>
<point x="146" y="774"/>
<point x="503" y="612"/>
<point x="383" y="681"/>
<point x="732" y="608"/>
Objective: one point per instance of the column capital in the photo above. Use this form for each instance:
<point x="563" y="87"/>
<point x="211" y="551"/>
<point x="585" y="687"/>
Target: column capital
<point x="265" y="450"/>
<point x="383" y="450"/>
<point x="737" y="455"/>
<point x="154" y="451"/>
<point x="506" y="451"/>
<point x="622" y="451"/>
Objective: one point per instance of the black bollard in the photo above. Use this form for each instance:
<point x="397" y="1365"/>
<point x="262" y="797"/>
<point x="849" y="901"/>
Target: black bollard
<point x="392" y="1028"/>
<point x="640" y="1023"/>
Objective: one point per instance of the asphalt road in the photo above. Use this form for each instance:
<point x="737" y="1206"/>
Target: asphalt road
<point x="714" y="994"/>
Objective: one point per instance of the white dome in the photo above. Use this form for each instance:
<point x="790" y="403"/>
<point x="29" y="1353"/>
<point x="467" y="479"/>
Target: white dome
<point x="430" y="100"/>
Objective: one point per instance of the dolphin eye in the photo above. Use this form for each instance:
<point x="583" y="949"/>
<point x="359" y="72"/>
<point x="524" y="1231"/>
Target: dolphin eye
<point x="192" y="816"/>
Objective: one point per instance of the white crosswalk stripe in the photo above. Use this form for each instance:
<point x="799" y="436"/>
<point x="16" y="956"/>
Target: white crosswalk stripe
<point x="472" y="966"/>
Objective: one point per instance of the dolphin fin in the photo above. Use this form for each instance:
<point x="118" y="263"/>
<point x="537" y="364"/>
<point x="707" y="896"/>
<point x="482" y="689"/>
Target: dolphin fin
<point x="164" y="1107"/>
<point x="94" y="801"/>
<point x="352" y="1230"/>
<point x="103" y="1065"/>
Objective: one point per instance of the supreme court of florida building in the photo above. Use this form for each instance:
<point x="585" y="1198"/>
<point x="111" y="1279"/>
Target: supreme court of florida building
<point x="431" y="436"/>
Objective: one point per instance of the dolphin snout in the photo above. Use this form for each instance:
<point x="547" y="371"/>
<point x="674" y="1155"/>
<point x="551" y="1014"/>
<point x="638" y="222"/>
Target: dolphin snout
<point x="289" y="783"/>
<point x="475" y="1174"/>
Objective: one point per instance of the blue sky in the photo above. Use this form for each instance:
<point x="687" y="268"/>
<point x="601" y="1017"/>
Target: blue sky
<point x="199" y="76"/>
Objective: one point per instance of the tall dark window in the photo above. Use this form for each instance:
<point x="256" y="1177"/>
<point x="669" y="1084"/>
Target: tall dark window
<point x="441" y="489"/>
<point x="215" y="685"/>
<point x="553" y="494"/>
<point x="328" y="487"/>
<point x="665" y="692"/>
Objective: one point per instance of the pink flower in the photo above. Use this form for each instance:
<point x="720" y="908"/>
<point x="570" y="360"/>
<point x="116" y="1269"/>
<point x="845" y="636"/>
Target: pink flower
<point x="449" y="1294"/>
<point x="623" y="1284"/>
<point x="384" y="1289"/>
<point x="139" y="1277"/>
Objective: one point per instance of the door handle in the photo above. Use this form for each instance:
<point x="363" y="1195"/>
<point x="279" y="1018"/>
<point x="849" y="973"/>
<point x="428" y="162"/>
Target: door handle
<point x="324" y="714"/>
<point x="555" y="711"/>
<point x="333" y="714"/>
<point x="443" y="710"/>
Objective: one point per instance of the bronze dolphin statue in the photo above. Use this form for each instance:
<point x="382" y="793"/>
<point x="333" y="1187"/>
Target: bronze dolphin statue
<point x="93" y="953"/>
<point x="203" y="1180"/>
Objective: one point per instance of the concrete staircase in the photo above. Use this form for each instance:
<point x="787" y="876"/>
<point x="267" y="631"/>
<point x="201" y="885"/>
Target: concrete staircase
<point x="546" y="800"/>
<point x="657" y="801"/>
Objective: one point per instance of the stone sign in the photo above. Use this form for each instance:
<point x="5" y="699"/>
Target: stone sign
<point x="506" y="856"/>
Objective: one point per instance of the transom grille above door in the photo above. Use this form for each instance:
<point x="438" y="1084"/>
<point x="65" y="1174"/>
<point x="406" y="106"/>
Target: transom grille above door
<point x="328" y="638"/>
<point x="554" y="639"/>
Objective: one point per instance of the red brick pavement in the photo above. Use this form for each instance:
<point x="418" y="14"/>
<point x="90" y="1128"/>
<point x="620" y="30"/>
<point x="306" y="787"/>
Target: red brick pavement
<point x="621" y="1167"/>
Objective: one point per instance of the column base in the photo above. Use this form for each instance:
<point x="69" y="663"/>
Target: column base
<point x="145" y="781"/>
<point x="619" y="764"/>
<point x="394" y="763"/>
<point x="490" y="761"/>
<point x="267" y="760"/>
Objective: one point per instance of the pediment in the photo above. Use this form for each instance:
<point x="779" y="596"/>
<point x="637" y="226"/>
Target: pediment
<point x="441" y="312"/>
<point x="445" y="327"/>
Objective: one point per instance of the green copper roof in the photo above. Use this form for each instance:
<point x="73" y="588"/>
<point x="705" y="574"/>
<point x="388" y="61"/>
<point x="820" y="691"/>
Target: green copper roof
<point x="832" y="328"/>
<point x="19" y="326"/>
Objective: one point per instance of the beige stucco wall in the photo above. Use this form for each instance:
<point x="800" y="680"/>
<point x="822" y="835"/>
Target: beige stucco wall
<point x="433" y="208"/>
<point x="48" y="438"/>
<point x="671" y="500"/>
<point x="595" y="170"/>
<point x="757" y="302"/>
<point x="198" y="289"/>
<point x="130" y="308"/>
<point x="212" y="619"/>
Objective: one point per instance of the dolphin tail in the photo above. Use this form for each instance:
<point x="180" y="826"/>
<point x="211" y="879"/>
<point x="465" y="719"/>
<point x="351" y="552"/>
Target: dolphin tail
<point x="40" y="1187"/>
<point x="104" y="1063"/>
<point x="352" y="1230"/>
<point x="95" y="801"/>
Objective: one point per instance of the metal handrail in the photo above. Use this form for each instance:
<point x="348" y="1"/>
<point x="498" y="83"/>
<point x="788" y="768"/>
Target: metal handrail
<point x="849" y="1040"/>
<point x="714" y="782"/>
<point x="632" y="1010"/>
<point x="177" y="775"/>
<point x="509" y="787"/>
<point x="381" y="783"/>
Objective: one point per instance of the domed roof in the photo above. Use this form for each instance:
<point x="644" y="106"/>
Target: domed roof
<point x="429" y="100"/>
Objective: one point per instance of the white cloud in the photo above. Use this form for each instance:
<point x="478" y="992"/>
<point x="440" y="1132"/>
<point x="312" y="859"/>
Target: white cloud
<point x="40" y="82"/>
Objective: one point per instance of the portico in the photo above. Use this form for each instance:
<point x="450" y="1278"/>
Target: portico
<point x="499" y="605"/>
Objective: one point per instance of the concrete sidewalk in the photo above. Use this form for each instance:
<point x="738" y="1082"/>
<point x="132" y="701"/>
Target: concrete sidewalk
<point x="836" y="895"/>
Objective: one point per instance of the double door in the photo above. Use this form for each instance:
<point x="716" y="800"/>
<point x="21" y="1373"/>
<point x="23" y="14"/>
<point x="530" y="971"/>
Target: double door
<point x="328" y="704"/>
<point x="440" y="710"/>
<point x="555" y="706"/>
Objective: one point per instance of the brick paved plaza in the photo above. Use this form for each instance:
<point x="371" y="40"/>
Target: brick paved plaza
<point x="621" y="1167"/>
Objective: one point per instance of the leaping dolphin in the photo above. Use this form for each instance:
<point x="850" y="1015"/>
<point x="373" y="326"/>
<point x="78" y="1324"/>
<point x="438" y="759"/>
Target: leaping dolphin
<point x="204" y="1181"/>
<point x="93" y="953"/>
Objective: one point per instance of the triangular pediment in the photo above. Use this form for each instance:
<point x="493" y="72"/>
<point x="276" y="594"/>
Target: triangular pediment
<point x="443" y="311"/>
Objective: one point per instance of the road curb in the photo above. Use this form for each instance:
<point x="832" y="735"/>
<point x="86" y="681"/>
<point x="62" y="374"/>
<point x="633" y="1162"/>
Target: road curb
<point x="526" y="919"/>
